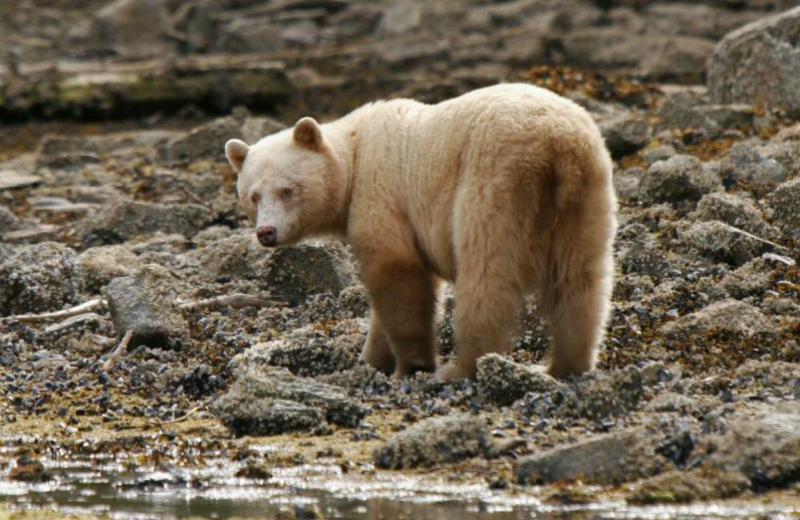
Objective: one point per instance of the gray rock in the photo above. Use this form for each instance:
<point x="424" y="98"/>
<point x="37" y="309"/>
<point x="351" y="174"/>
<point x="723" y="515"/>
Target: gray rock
<point x="8" y="222"/>
<point x="626" y="183"/>
<point x="731" y="315"/>
<point x="625" y="134"/>
<point x="752" y="279"/>
<point x="765" y="447"/>
<point x="785" y="201"/>
<point x="502" y="381"/>
<point x="759" y="64"/>
<point x="296" y="273"/>
<point x="607" y="459"/>
<point x="401" y="17"/>
<point x="247" y="407"/>
<point x="721" y="242"/>
<point x="658" y="153"/>
<point x="438" y="440"/>
<point x="253" y="129"/>
<point x="145" y="303"/>
<point x="645" y="256"/>
<point x="99" y="265"/>
<point x="39" y="278"/>
<point x="600" y="395"/>
<point x="678" y="179"/>
<point x="744" y="162"/>
<point x="134" y="28"/>
<point x="267" y="416"/>
<point x="684" y="111"/>
<point x="308" y="352"/>
<point x="126" y="219"/>
<point x="734" y="211"/>
<point x="206" y="141"/>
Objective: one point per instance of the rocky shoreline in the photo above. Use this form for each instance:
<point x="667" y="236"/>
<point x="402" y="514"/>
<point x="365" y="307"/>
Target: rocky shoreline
<point x="192" y="330"/>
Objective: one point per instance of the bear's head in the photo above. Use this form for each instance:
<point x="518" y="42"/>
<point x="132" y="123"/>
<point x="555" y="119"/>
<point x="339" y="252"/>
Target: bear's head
<point x="289" y="183"/>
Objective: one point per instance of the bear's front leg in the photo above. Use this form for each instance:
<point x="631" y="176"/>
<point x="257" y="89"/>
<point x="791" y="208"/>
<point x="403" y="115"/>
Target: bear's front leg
<point x="403" y="303"/>
<point x="377" y="349"/>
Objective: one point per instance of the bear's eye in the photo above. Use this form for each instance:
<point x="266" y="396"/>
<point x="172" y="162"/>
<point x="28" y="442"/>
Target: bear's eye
<point x="286" y="193"/>
<point x="255" y="197"/>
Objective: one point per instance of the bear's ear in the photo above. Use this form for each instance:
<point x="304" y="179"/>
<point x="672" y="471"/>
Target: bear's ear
<point x="308" y="133"/>
<point x="236" y="152"/>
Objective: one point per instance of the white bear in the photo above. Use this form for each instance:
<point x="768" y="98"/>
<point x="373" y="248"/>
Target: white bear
<point x="505" y="191"/>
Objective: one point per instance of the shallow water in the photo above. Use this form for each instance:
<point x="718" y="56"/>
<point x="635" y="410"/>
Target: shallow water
<point x="116" y="487"/>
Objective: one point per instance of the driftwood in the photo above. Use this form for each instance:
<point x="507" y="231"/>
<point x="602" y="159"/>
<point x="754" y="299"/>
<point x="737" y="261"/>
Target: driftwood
<point x="74" y="321"/>
<point x="117" y="353"/>
<point x="90" y="306"/>
<point x="236" y="300"/>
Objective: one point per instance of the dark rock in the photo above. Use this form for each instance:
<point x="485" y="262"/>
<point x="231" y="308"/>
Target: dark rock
<point x="126" y="219"/>
<point x="145" y="303"/>
<point x="731" y="315"/>
<point x="678" y="179"/>
<point x="759" y="64"/>
<point x="296" y="273"/>
<point x="600" y="395"/>
<point x="254" y="471"/>
<point x="253" y="129"/>
<point x="685" y="111"/>
<point x="625" y="134"/>
<point x="644" y="256"/>
<point x="29" y="470"/>
<point x="608" y="459"/>
<point x="439" y="440"/>
<point x="785" y="201"/>
<point x="39" y="278"/>
<point x="721" y="242"/>
<point x="502" y="381"/>
<point x="687" y="486"/>
<point x="268" y="401"/>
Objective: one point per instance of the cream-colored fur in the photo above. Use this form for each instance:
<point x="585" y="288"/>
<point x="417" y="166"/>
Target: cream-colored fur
<point x="505" y="191"/>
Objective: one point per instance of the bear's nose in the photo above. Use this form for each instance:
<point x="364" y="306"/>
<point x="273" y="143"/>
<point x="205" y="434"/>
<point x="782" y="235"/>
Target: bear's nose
<point x="267" y="236"/>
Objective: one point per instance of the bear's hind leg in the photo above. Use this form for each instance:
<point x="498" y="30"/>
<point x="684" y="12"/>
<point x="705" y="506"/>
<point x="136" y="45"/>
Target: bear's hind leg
<point x="377" y="350"/>
<point x="577" y="323"/>
<point x="403" y="300"/>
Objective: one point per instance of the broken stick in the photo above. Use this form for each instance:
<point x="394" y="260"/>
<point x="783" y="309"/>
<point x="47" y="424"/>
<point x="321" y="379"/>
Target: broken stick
<point x="236" y="300"/>
<point x="91" y="305"/>
<point x="123" y="345"/>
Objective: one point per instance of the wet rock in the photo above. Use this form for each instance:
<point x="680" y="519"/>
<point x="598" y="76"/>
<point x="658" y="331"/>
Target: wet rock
<point x="439" y="440"/>
<point x="607" y="459"/>
<point x="254" y="471"/>
<point x="687" y="486"/>
<point x="597" y="395"/>
<point x="308" y="352"/>
<point x="145" y="303"/>
<point x="759" y="64"/>
<point x="678" y="179"/>
<point x="99" y="265"/>
<point x="502" y="381"/>
<point x="625" y="134"/>
<point x="744" y="162"/>
<point x="731" y="315"/>
<point x="39" y="278"/>
<point x="126" y="219"/>
<point x="29" y="470"/>
<point x="269" y="400"/>
<point x="204" y="141"/>
<point x="296" y="273"/>
<point x="133" y="28"/>
<point x="760" y="451"/>
<point x="721" y="242"/>
<point x="784" y="202"/>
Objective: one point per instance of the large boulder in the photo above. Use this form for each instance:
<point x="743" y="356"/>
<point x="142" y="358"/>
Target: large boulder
<point x="759" y="64"/>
